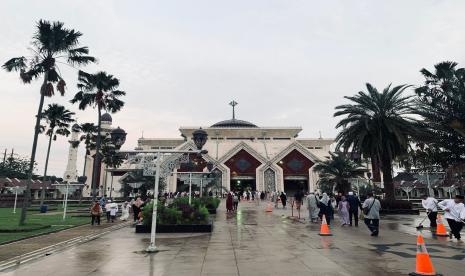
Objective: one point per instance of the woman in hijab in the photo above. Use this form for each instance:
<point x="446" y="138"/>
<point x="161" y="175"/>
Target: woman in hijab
<point x="136" y="208"/>
<point x="283" y="198"/>
<point x="343" y="208"/>
<point x="229" y="203"/>
<point x="325" y="208"/>
<point x="124" y="211"/>
<point x="95" y="212"/>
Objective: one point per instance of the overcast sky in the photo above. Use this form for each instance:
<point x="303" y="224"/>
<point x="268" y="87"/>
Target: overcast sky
<point x="287" y="63"/>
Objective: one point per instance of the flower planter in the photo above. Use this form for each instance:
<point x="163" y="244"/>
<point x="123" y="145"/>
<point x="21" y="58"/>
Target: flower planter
<point x="212" y="211"/>
<point x="176" y="228"/>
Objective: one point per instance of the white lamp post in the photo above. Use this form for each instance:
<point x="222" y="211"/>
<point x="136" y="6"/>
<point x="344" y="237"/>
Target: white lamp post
<point x="17" y="190"/>
<point x="66" y="189"/>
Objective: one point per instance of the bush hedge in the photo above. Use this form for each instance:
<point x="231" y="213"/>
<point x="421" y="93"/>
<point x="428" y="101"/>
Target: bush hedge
<point x="177" y="212"/>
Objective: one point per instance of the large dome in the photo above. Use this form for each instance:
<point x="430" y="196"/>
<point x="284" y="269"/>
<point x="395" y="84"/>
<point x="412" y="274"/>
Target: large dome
<point x="234" y="123"/>
<point x="106" y="118"/>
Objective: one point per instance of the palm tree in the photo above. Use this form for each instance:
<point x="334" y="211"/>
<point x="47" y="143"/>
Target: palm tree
<point x="378" y="124"/>
<point x="58" y="119"/>
<point x="336" y="171"/>
<point x="52" y="44"/>
<point x="98" y="90"/>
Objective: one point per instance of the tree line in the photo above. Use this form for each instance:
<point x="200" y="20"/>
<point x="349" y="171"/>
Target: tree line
<point x="424" y="128"/>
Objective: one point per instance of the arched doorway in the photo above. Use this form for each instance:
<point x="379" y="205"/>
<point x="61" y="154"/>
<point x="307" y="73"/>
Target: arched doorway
<point x="295" y="171"/>
<point x="243" y="168"/>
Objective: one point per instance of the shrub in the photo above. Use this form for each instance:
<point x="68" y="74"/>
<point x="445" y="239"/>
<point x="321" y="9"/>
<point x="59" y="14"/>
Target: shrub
<point x="211" y="202"/>
<point x="169" y="216"/>
<point x="201" y="215"/>
<point x="178" y="212"/>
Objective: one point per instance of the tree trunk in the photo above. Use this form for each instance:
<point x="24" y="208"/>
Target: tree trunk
<point x="42" y="195"/>
<point x="375" y="168"/>
<point x="387" y="179"/>
<point x="83" y="174"/>
<point x="27" y="195"/>
<point x="96" y="164"/>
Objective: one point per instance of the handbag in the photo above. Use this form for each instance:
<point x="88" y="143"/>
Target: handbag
<point x="366" y="210"/>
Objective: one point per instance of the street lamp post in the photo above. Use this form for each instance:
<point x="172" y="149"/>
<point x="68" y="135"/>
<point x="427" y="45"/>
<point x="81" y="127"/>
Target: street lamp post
<point x="17" y="190"/>
<point x="199" y="138"/>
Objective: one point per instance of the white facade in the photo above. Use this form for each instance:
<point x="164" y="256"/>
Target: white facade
<point x="245" y="155"/>
<point x="268" y="145"/>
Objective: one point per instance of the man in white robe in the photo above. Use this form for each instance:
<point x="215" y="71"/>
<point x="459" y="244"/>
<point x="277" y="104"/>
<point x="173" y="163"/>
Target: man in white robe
<point x="312" y="206"/>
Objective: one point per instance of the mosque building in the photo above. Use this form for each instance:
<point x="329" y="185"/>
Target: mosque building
<point x="244" y="156"/>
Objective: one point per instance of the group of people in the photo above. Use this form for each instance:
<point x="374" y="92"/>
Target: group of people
<point x="347" y="207"/>
<point x="234" y="197"/>
<point x="454" y="213"/>
<point x="110" y="208"/>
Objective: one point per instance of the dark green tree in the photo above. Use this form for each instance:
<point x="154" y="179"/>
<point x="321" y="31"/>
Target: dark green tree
<point x="379" y="125"/>
<point x="98" y="90"/>
<point x="15" y="166"/>
<point x="441" y="103"/>
<point x="336" y="171"/>
<point x="52" y="44"/>
<point x="58" y="120"/>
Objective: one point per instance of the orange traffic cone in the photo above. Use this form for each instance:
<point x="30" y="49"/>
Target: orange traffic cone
<point x="423" y="263"/>
<point x="441" y="229"/>
<point x="269" y="208"/>
<point x="324" y="230"/>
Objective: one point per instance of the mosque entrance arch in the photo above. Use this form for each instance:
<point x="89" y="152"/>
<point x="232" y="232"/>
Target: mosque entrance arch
<point x="296" y="168"/>
<point x="243" y="168"/>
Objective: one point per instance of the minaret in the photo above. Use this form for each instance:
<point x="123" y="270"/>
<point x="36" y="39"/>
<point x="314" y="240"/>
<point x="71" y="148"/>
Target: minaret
<point x="71" y="168"/>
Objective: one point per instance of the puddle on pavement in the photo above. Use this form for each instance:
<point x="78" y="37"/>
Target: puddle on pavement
<point x="143" y="252"/>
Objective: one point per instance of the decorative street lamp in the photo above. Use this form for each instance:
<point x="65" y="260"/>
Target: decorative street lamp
<point x="151" y="162"/>
<point x="200" y="138"/>
<point x="118" y="137"/>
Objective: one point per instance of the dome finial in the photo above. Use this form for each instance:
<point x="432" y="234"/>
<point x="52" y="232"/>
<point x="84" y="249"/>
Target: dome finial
<point x="233" y="103"/>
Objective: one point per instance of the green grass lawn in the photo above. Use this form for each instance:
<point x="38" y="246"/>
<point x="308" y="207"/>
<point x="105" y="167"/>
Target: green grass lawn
<point x="34" y="219"/>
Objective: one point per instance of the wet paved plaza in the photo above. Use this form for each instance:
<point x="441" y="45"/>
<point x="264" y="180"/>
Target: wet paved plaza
<point x="253" y="242"/>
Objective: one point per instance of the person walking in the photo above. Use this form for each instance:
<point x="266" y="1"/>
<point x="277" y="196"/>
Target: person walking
<point x="298" y="197"/>
<point x="312" y="206"/>
<point x="136" y="209"/>
<point x="343" y="208"/>
<point x="325" y="208"/>
<point x="354" y="204"/>
<point x="95" y="212"/>
<point x="113" y="211"/>
<point x="107" y="210"/>
<point x="124" y="211"/>
<point x="371" y="207"/>
<point x="274" y="199"/>
<point x="235" y="201"/>
<point x="431" y="206"/>
<point x="283" y="198"/>
<point x="229" y="203"/>
<point x="454" y="212"/>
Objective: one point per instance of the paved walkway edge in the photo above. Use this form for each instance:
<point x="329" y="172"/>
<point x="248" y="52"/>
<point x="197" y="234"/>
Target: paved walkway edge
<point x="52" y="249"/>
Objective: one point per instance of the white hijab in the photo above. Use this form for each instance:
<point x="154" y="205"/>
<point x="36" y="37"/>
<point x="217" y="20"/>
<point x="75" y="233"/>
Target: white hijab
<point x="324" y="199"/>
